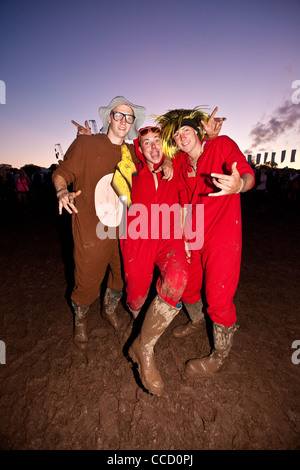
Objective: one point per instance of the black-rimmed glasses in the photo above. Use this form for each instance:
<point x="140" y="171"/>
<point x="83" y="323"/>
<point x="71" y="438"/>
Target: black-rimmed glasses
<point x="118" y="116"/>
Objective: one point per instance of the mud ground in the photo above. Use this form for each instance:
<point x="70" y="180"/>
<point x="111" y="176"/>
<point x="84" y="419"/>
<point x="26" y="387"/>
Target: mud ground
<point x="55" y="397"/>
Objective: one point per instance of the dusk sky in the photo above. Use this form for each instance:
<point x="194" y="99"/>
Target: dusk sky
<point x="62" y="60"/>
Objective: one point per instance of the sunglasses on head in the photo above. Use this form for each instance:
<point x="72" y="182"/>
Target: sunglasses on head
<point x="144" y="131"/>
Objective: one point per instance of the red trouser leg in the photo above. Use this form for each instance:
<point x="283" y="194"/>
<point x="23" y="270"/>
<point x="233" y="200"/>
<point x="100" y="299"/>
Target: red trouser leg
<point x="220" y="272"/>
<point x="139" y="260"/>
<point x="172" y="263"/>
<point x="192" y="292"/>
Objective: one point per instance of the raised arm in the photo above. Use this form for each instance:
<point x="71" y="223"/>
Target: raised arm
<point x="65" y="198"/>
<point x="213" y="126"/>
<point x="81" y="130"/>
<point x="231" y="184"/>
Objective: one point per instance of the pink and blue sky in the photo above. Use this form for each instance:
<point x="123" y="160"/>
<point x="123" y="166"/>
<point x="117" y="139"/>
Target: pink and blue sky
<point x="62" y="60"/>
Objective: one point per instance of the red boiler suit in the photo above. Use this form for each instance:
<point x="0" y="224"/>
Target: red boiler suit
<point x="166" y="251"/>
<point x="217" y="263"/>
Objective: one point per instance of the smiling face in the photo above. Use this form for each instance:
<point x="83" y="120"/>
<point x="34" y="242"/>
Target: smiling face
<point x="150" y="147"/>
<point x="119" y="129"/>
<point x="187" y="140"/>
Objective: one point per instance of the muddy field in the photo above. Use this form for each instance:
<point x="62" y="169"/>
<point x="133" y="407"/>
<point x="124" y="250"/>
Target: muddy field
<point x="55" y="397"/>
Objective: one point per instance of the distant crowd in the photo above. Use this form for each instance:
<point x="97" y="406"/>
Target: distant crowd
<point x="30" y="189"/>
<point x="27" y="189"/>
<point x="275" y="188"/>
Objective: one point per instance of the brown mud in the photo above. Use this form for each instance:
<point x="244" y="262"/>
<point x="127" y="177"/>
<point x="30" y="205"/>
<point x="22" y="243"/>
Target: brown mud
<point x="56" y="397"/>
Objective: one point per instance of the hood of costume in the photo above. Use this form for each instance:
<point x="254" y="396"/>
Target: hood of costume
<point x="141" y="157"/>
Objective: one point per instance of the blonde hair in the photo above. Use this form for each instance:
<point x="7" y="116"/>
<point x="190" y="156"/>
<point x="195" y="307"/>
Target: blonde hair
<point x="172" y="120"/>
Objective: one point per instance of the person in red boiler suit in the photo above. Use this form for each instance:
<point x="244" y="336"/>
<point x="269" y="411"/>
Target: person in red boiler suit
<point x="213" y="173"/>
<point x="149" y="243"/>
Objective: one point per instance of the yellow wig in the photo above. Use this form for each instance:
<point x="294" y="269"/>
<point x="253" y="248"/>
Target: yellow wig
<point x="172" y="120"/>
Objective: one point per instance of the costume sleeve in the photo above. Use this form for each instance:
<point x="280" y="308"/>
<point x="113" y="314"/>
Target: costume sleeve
<point x="71" y="165"/>
<point x="231" y="153"/>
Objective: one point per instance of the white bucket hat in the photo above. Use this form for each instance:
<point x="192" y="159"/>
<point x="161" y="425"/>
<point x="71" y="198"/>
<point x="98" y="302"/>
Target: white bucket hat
<point x="139" y="112"/>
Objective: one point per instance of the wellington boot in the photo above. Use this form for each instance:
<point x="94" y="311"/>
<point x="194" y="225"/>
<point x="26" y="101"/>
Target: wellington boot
<point x="111" y="300"/>
<point x="128" y="330"/>
<point x="188" y="329"/>
<point x="197" y="323"/>
<point x="207" y="366"/>
<point x="157" y="318"/>
<point x="148" y="371"/>
<point x="117" y="323"/>
<point x="80" y="337"/>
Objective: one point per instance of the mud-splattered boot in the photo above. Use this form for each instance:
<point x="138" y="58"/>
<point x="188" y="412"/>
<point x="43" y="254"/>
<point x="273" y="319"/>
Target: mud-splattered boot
<point x="128" y="329"/>
<point x="80" y="337"/>
<point x="197" y="323"/>
<point x="111" y="300"/>
<point x="157" y="319"/>
<point x="223" y="339"/>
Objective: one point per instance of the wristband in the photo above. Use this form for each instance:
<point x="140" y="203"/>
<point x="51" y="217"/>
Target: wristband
<point x="242" y="185"/>
<point x="60" y="196"/>
<point x="62" y="189"/>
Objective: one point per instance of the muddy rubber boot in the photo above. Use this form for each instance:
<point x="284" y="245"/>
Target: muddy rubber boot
<point x="80" y="337"/>
<point x="111" y="300"/>
<point x="157" y="319"/>
<point x="197" y="323"/>
<point x="129" y="327"/>
<point x="223" y="339"/>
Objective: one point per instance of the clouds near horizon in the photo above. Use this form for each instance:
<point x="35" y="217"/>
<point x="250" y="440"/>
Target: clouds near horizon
<point x="284" y="120"/>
